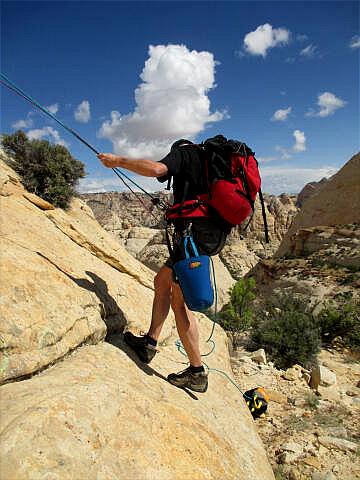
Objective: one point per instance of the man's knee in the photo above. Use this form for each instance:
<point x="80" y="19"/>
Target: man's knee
<point x="177" y="299"/>
<point x="162" y="281"/>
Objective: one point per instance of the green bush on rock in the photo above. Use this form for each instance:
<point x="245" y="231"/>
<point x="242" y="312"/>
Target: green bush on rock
<point x="238" y="315"/>
<point x="47" y="170"/>
<point x="286" y="326"/>
<point x="288" y="332"/>
<point x="341" y="318"/>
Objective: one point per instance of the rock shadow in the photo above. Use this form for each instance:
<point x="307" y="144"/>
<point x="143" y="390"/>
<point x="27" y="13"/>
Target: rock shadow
<point x="116" y="321"/>
<point x="112" y="315"/>
<point x="117" y="340"/>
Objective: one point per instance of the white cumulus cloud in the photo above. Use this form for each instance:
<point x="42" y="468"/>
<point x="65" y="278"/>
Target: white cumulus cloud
<point x="299" y="146"/>
<point x="82" y="112"/>
<point x="310" y="51"/>
<point x="288" y="179"/>
<point x="46" y="132"/>
<point x="355" y="42"/>
<point x="266" y="159"/>
<point x="98" y="184"/>
<point x="281" y="115"/>
<point x="328" y="103"/>
<point x="26" y="123"/>
<point x="285" y="152"/>
<point x="171" y="102"/>
<point x="54" y="108"/>
<point x="300" y="141"/>
<point x="265" y="37"/>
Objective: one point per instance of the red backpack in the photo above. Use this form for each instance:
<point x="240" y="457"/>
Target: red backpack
<point x="233" y="180"/>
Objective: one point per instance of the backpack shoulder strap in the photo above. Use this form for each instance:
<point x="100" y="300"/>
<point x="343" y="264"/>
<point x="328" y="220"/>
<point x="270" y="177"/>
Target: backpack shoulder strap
<point x="264" y="216"/>
<point x="168" y="186"/>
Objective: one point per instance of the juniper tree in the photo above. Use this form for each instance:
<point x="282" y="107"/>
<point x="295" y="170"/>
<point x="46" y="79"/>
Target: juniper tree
<point x="47" y="170"/>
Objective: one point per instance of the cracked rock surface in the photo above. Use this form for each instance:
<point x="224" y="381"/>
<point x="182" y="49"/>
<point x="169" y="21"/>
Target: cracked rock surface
<point x="75" y="402"/>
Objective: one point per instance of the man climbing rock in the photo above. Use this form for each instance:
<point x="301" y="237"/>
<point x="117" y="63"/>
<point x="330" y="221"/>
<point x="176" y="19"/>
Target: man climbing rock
<point x="185" y="166"/>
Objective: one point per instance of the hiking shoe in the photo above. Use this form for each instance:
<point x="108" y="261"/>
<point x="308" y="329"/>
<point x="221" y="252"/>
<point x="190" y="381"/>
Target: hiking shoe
<point x="141" y="347"/>
<point x="198" y="382"/>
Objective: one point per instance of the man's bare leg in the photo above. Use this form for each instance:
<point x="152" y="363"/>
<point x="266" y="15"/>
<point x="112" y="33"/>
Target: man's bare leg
<point x="145" y="346"/>
<point x="187" y="327"/>
<point x="194" y="377"/>
<point x="161" y="302"/>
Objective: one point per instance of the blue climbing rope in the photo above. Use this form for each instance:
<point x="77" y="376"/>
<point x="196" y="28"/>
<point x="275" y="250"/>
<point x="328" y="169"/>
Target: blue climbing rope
<point x="5" y="80"/>
<point x="180" y="347"/>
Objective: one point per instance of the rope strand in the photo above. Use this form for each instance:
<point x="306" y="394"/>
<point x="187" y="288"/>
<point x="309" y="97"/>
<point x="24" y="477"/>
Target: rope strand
<point x="11" y="86"/>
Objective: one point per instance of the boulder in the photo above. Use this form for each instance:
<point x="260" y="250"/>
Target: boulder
<point x="312" y="462"/>
<point x="276" y="396"/>
<point x="138" y="238"/>
<point x="322" y="376"/>
<point x="338" y="443"/>
<point x="290" y="453"/>
<point x="328" y="475"/>
<point x="292" y="374"/>
<point x="259" y="356"/>
<point x="100" y="414"/>
<point x="244" y="359"/>
<point x="291" y="446"/>
<point x="337" y="432"/>
<point x="238" y="259"/>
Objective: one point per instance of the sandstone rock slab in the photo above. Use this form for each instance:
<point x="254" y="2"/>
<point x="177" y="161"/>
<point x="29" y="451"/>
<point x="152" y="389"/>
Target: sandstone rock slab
<point x="330" y="206"/>
<point x="97" y="415"/>
<point x="64" y="282"/>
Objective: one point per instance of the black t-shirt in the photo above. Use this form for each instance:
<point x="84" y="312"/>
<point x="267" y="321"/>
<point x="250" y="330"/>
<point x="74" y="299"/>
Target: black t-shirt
<point x="185" y="164"/>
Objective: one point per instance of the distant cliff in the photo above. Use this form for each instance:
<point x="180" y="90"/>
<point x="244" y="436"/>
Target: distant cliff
<point x="118" y="212"/>
<point x="138" y="225"/>
<point x="337" y="202"/>
<point x="319" y="256"/>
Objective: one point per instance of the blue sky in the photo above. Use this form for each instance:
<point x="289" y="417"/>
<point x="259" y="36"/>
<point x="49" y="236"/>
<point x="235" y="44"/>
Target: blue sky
<point x="281" y="76"/>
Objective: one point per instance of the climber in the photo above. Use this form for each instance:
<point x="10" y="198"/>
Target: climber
<point x="184" y="165"/>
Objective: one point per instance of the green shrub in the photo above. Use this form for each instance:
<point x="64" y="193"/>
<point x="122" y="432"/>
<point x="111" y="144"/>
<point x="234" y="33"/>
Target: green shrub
<point x="47" y="170"/>
<point x="237" y="315"/>
<point x="341" y="318"/>
<point x="289" y="333"/>
<point x="312" y="400"/>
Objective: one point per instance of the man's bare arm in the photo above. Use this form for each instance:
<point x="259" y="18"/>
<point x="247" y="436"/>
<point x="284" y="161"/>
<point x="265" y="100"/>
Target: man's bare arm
<point x="142" y="166"/>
